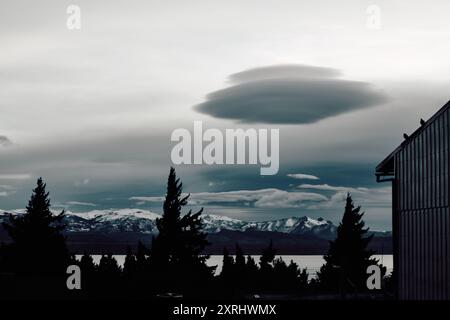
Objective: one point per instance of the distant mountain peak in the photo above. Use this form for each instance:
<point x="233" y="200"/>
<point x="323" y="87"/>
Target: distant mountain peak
<point x="144" y="221"/>
<point x="116" y="214"/>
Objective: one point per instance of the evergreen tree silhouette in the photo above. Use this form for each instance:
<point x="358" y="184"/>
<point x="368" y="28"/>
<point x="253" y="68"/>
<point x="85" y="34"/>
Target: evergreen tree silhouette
<point x="226" y="277"/>
<point x="251" y="265"/>
<point x="302" y="278"/>
<point x="108" y="282"/>
<point x="227" y="267"/>
<point x="142" y="257"/>
<point x="88" y="273"/>
<point x="38" y="245"/>
<point x="177" y="249"/>
<point x="348" y="257"/>
<point x="251" y="273"/>
<point x="130" y="265"/>
<point x="108" y="266"/>
<point x="267" y="256"/>
<point x="281" y="277"/>
<point x="289" y="277"/>
<point x="266" y="275"/>
<point x="240" y="268"/>
<point x="87" y="264"/>
<point x="137" y="272"/>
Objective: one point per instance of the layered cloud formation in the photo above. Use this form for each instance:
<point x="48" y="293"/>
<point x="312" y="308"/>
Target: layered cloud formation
<point x="318" y="197"/>
<point x="260" y="198"/>
<point x="289" y="94"/>
<point x="302" y="176"/>
<point x="6" y="190"/>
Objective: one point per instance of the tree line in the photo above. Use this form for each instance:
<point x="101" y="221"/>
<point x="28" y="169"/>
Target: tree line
<point x="34" y="264"/>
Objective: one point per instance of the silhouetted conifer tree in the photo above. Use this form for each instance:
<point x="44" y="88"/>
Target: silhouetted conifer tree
<point x="290" y="277"/>
<point x="142" y="259"/>
<point x="251" y="265"/>
<point x="266" y="275"/>
<point x="88" y="270"/>
<point x="177" y="249"/>
<point x="72" y="259"/>
<point x="227" y="267"/>
<point x="302" y="278"/>
<point x="38" y="245"/>
<point x="108" y="282"/>
<point x="267" y="256"/>
<point x="281" y="277"/>
<point x="108" y="266"/>
<point x="226" y="276"/>
<point x="240" y="268"/>
<point x="348" y="257"/>
<point x="130" y="265"/>
<point x="87" y="264"/>
<point x="251" y="272"/>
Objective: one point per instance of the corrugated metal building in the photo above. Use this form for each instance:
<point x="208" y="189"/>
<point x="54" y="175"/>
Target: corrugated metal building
<point x="419" y="171"/>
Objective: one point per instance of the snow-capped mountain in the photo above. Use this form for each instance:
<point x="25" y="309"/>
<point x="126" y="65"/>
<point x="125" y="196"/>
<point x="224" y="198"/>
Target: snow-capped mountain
<point x="144" y="221"/>
<point x="293" y="225"/>
<point x="105" y="221"/>
<point x="114" y="230"/>
<point x="109" y="221"/>
<point x="214" y="223"/>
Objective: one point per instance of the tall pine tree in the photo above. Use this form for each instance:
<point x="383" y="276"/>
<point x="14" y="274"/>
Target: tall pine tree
<point x="266" y="262"/>
<point x="177" y="249"/>
<point x="267" y="257"/>
<point x="251" y="272"/>
<point x="227" y="272"/>
<point x="38" y="243"/>
<point x="348" y="257"/>
<point x="130" y="265"/>
<point x="88" y="274"/>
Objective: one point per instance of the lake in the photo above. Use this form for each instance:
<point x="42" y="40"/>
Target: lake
<point x="311" y="262"/>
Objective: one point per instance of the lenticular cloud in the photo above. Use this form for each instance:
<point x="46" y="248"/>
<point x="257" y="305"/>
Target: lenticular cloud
<point x="288" y="94"/>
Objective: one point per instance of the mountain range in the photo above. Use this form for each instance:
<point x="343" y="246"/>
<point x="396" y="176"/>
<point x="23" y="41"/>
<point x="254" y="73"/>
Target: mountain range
<point x="112" y="230"/>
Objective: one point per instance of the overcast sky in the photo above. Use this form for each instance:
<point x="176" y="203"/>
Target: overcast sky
<point x="92" y="110"/>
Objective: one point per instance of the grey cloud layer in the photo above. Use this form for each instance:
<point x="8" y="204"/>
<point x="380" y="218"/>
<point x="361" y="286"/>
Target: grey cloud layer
<point x="302" y="176"/>
<point x="292" y="94"/>
<point x="282" y="72"/>
<point x="327" y="187"/>
<point x="277" y="198"/>
<point x="261" y="198"/>
<point x="5" y="141"/>
<point x="6" y="190"/>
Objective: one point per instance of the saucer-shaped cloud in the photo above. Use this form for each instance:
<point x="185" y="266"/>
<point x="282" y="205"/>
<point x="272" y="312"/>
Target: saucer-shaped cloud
<point x="286" y="71"/>
<point x="294" y="94"/>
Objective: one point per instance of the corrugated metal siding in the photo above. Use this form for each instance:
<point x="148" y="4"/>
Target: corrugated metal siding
<point x="421" y="213"/>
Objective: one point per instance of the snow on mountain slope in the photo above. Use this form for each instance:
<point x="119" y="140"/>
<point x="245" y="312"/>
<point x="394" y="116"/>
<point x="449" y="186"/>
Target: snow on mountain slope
<point x="144" y="221"/>
<point x="214" y="223"/>
<point x="297" y="225"/>
<point x="14" y="212"/>
<point x="104" y="215"/>
<point x="106" y="221"/>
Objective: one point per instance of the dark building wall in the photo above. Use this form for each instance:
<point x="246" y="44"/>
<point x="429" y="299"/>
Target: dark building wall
<point x="421" y="212"/>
